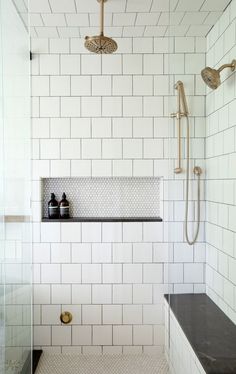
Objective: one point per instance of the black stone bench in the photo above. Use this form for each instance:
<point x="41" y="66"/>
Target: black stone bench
<point x="211" y="334"/>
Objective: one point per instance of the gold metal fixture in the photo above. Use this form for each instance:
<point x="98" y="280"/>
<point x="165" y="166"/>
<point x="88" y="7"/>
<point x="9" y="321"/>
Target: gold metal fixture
<point x="212" y="76"/>
<point x="183" y="112"/>
<point x="100" y="44"/>
<point x="66" y="317"/>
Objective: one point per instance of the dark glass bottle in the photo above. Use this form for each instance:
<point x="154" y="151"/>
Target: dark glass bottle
<point x="64" y="207"/>
<point x="53" y="208"/>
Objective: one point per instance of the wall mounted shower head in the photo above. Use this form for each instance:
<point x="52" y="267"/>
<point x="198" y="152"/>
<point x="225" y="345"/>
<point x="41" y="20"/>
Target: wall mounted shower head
<point x="212" y="76"/>
<point x="100" y="44"/>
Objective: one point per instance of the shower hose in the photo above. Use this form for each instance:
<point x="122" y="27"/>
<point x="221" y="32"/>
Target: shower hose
<point x="197" y="172"/>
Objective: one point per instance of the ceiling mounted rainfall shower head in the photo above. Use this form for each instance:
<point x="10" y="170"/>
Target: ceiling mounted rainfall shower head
<point x="100" y="44"/>
<point x="212" y="76"/>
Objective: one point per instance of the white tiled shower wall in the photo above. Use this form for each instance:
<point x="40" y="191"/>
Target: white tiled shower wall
<point x="221" y="161"/>
<point x="109" y="116"/>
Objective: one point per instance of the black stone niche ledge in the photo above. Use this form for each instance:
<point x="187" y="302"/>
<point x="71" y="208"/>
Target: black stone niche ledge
<point x="105" y="219"/>
<point x="211" y="334"/>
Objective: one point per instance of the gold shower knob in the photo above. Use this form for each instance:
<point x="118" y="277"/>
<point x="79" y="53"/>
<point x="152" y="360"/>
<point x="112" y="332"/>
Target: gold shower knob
<point x="66" y="317"/>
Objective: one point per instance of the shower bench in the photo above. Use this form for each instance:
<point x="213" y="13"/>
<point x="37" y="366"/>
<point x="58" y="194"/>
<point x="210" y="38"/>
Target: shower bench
<point x="200" y="338"/>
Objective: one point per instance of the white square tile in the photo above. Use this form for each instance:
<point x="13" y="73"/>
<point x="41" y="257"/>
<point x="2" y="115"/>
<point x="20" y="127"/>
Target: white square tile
<point x="60" y="168"/>
<point x="41" y="253"/>
<point x="132" y="232"/>
<point x="50" y="232"/>
<point x="112" y="273"/>
<point x="81" y="253"/>
<point x="122" y="335"/>
<point x="71" y="232"/>
<point x="142" y="294"/>
<point x="122" y="252"/>
<point x="91" y="106"/>
<point x="132" y="314"/>
<point x="111" y="106"/>
<point x="112" y="65"/>
<point x="122" y="127"/>
<point x="42" y="335"/>
<point x="101" y="85"/>
<point x="91" y="232"/>
<point x="112" y="148"/>
<point x="102" y="335"/>
<point x="90" y="64"/>
<point x="122" y="168"/>
<point x="49" y="149"/>
<point x="101" y="294"/>
<point x="101" y="128"/>
<point x="91" y="314"/>
<point x="153" y="106"/>
<point x="111" y="232"/>
<point x="132" y="64"/>
<point x="70" y="107"/>
<point x="142" y="85"/>
<point x="153" y="64"/>
<point x="142" y="127"/>
<point x="59" y="85"/>
<point x="70" y="64"/>
<point x="132" y="148"/>
<point x="101" y="253"/>
<point x="142" y="252"/>
<point x="49" y="107"/>
<point x="71" y="273"/>
<point x="112" y="314"/>
<point x="51" y="314"/>
<point x="81" y="335"/>
<point x="81" y="294"/>
<point x="132" y="273"/>
<point x="91" y="148"/>
<point x="101" y="168"/>
<point x="121" y="85"/>
<point x="153" y="314"/>
<point x="143" y="335"/>
<point x="132" y="106"/>
<point x="80" y="128"/>
<point x="60" y="252"/>
<point x="153" y="273"/>
<point x="122" y="294"/>
<point x="91" y="273"/>
<point x="49" y="64"/>
<point x="61" y="335"/>
<point x="80" y="85"/>
<point x="70" y="149"/>
<point x="60" y="128"/>
<point x="61" y="294"/>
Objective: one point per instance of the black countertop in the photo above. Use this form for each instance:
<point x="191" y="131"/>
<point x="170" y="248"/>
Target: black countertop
<point x="105" y="219"/>
<point x="209" y="331"/>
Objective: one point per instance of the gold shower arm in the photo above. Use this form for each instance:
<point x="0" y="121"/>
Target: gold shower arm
<point x="232" y="66"/>
<point x="102" y="16"/>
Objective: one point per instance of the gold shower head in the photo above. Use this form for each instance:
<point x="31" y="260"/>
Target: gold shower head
<point x="212" y="76"/>
<point x="100" y="44"/>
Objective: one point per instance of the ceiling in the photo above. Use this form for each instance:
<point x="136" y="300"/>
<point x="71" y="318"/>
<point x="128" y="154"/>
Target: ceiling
<point x="123" y="18"/>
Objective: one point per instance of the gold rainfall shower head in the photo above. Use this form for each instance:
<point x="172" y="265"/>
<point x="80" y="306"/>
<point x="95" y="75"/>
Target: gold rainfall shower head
<point x="100" y="44"/>
<point x="212" y="76"/>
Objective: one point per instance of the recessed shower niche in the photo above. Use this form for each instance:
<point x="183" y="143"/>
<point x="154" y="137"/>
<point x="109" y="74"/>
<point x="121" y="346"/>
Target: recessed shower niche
<point x="106" y="199"/>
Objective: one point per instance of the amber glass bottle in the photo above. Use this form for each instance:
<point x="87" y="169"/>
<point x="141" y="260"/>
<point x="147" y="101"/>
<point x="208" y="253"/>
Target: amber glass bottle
<point x="64" y="207"/>
<point x="53" y="208"/>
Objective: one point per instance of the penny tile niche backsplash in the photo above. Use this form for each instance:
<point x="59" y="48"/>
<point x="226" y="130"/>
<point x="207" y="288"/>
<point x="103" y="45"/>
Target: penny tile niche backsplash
<point x="108" y="117"/>
<point x="107" y="197"/>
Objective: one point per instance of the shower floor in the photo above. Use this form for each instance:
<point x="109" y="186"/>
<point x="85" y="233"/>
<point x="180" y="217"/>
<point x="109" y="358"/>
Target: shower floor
<point x="120" y="364"/>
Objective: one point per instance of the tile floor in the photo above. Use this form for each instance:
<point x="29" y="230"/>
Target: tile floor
<point x="120" y="364"/>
